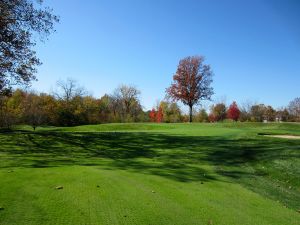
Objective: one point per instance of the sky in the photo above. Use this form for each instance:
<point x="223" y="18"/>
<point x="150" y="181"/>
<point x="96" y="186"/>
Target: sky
<point x="253" y="47"/>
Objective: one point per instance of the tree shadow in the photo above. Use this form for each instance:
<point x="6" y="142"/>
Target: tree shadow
<point x="182" y="158"/>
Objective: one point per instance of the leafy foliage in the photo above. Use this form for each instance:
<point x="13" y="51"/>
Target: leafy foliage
<point x="219" y="112"/>
<point x="19" y="21"/>
<point x="233" y="112"/>
<point x="159" y="115"/>
<point x="191" y="82"/>
<point x="152" y="115"/>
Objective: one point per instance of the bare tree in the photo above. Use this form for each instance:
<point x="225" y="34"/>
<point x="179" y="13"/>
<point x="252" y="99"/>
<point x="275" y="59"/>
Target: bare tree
<point x="70" y="96"/>
<point x="68" y="90"/>
<point x="127" y="98"/>
<point x="245" y="108"/>
<point x="294" y="108"/>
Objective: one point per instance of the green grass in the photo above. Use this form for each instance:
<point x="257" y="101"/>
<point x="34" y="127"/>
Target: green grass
<point x="150" y="174"/>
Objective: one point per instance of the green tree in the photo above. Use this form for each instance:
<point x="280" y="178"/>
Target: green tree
<point x="201" y="116"/>
<point x="20" y="21"/>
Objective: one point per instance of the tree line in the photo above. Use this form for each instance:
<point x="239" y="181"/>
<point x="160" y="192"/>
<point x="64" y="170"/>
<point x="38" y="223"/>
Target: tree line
<point x="70" y="105"/>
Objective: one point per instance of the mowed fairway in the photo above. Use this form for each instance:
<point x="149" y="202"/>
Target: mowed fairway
<point x="151" y="174"/>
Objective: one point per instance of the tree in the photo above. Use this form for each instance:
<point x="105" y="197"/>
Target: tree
<point x="245" y="110"/>
<point x="50" y="108"/>
<point x="219" y="111"/>
<point x="283" y="114"/>
<point x="191" y="82"/>
<point x="127" y="98"/>
<point x="68" y="90"/>
<point x="258" y="112"/>
<point x="20" y="21"/>
<point x="7" y="116"/>
<point x="33" y="113"/>
<point x="211" y="118"/>
<point x="159" y="115"/>
<point x="233" y="112"/>
<point x="294" y="108"/>
<point x="70" y="97"/>
<point x="202" y="116"/>
<point x="270" y="113"/>
<point x="152" y="115"/>
<point x="170" y="111"/>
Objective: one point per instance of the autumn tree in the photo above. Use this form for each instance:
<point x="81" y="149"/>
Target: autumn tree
<point x="50" y="109"/>
<point x="20" y="22"/>
<point x="191" y="82"/>
<point x="159" y="115"/>
<point x="270" y="113"/>
<point x="152" y="115"/>
<point x="7" y="116"/>
<point x="34" y="112"/>
<point x="201" y="116"/>
<point x="219" y="111"/>
<point x="211" y="118"/>
<point x="233" y="112"/>
<point x="171" y="111"/>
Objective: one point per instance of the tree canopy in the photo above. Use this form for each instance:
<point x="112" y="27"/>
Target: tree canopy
<point x="191" y="82"/>
<point x="20" y="22"/>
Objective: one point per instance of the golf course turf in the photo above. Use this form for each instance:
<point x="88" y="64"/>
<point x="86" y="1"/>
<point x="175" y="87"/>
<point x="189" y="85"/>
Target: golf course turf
<point x="224" y="173"/>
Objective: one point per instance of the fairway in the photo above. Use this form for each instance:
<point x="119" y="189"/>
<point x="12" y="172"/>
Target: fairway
<point x="154" y="174"/>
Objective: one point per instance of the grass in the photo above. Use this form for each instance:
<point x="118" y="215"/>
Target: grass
<point x="150" y="174"/>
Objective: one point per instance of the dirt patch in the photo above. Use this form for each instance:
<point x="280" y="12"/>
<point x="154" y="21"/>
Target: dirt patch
<point x="283" y="136"/>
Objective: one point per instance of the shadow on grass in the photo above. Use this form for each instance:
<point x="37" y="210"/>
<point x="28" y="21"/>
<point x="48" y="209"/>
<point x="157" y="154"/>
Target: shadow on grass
<point x="182" y="158"/>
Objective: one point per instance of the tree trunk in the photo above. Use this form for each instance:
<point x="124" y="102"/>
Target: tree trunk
<point x="191" y="113"/>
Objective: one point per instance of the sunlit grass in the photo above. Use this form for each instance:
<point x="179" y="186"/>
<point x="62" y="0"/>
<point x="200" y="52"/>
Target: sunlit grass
<point x="150" y="174"/>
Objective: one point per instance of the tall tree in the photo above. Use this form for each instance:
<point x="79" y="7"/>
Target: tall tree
<point x="20" y="21"/>
<point x="191" y="82"/>
<point x="127" y="97"/>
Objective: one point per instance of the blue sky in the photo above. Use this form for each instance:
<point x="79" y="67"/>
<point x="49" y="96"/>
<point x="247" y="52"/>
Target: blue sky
<point x="252" y="46"/>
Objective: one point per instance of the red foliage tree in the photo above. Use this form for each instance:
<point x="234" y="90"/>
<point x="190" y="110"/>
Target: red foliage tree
<point x="159" y="115"/>
<point x="212" y="118"/>
<point x="152" y="115"/>
<point x="233" y="112"/>
<point x="191" y="82"/>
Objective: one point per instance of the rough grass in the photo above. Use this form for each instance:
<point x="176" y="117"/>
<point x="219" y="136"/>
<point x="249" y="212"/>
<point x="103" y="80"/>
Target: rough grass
<point x="150" y="174"/>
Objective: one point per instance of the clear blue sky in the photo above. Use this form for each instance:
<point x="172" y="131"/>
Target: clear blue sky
<point x="252" y="46"/>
